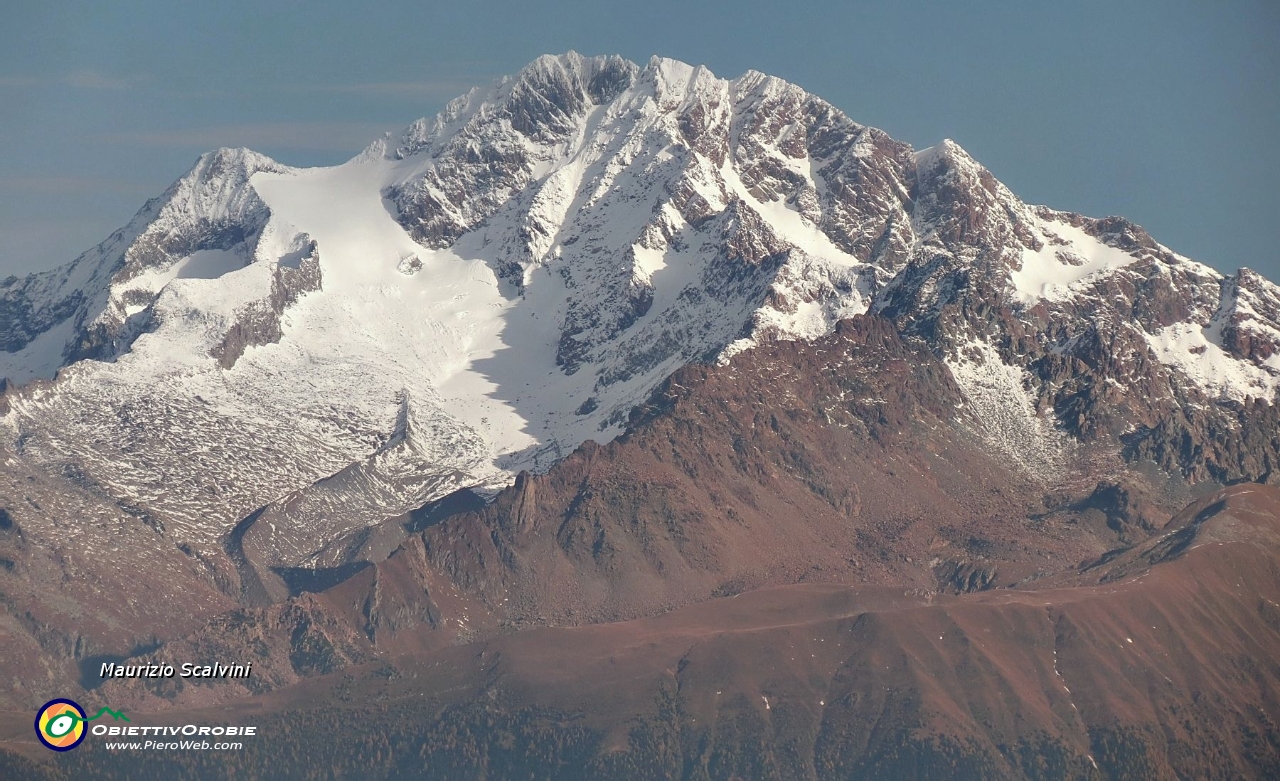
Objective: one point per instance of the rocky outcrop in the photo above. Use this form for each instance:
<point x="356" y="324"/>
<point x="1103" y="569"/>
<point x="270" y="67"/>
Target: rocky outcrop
<point x="259" y="322"/>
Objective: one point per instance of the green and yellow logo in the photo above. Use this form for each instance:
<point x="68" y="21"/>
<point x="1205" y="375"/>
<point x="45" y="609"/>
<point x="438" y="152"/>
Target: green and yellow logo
<point x="60" y="723"/>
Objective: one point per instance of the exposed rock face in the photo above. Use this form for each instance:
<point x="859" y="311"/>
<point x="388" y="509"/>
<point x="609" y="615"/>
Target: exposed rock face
<point x="487" y="162"/>
<point x="259" y="322"/>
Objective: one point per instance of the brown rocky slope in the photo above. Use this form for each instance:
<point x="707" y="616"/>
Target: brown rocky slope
<point x="1157" y="662"/>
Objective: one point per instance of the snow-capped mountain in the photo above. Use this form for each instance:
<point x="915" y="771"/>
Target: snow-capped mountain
<point x="336" y="346"/>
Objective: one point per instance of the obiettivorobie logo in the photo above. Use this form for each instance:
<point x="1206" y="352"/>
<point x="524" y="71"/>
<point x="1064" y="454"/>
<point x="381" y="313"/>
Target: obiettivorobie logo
<point x="60" y="723"/>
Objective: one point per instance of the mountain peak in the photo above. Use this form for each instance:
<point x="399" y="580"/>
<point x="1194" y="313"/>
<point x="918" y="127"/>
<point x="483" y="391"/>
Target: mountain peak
<point x="216" y="187"/>
<point x="241" y="158"/>
<point x="667" y="70"/>
<point x="544" y="95"/>
<point x="809" y="354"/>
<point x="573" y="72"/>
<point x="527" y="267"/>
<point x="945" y="153"/>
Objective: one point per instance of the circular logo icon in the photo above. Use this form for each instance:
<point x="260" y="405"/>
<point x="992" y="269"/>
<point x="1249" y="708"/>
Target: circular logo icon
<point x="60" y="724"/>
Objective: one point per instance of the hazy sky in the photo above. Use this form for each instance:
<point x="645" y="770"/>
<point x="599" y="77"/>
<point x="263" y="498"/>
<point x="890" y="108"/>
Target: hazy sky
<point x="1165" y="112"/>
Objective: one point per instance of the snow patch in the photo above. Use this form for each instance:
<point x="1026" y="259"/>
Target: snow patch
<point x="1197" y="352"/>
<point x="1056" y="271"/>
<point x="1001" y="406"/>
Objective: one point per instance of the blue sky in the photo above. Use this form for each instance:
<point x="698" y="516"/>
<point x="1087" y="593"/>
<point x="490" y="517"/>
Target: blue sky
<point x="1165" y="112"/>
